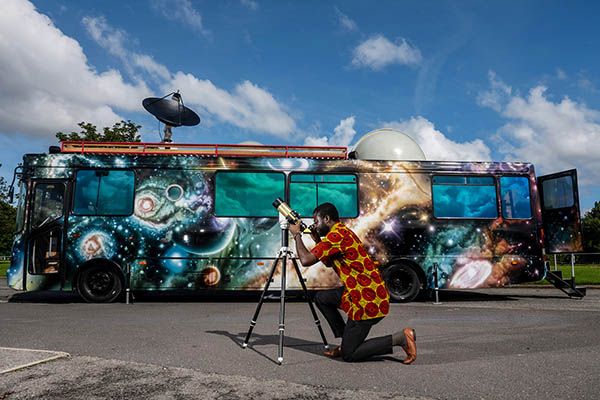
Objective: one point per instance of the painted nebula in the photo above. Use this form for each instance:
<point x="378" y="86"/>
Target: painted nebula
<point x="172" y="238"/>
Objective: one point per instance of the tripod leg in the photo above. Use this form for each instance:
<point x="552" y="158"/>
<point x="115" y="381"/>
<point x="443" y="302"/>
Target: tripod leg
<point x="310" y="303"/>
<point x="282" y="309"/>
<point x="260" y="303"/>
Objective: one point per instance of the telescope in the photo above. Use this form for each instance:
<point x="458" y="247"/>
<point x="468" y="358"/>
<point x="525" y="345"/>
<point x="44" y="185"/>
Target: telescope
<point x="290" y="215"/>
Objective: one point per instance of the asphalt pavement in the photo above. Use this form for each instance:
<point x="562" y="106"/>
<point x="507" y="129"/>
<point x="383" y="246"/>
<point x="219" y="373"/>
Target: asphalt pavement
<point x="494" y="344"/>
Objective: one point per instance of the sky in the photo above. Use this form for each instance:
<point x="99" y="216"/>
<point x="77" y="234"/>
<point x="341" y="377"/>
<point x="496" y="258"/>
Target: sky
<point x="468" y="80"/>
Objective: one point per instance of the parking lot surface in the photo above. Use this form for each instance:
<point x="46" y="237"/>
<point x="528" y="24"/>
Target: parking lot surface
<point x="496" y="344"/>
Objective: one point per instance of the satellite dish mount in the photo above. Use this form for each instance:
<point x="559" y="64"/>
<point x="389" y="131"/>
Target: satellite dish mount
<point x="171" y="112"/>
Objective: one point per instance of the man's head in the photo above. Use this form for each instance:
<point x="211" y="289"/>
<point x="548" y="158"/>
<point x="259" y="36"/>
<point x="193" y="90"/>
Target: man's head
<point x="325" y="216"/>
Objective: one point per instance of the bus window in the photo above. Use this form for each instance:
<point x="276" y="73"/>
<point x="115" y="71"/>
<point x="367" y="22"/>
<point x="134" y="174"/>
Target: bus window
<point x="307" y="191"/>
<point x="558" y="193"/>
<point x="464" y="197"/>
<point x="104" y="192"/>
<point x="21" y="207"/>
<point x="248" y="194"/>
<point x="47" y="203"/>
<point x="514" y="192"/>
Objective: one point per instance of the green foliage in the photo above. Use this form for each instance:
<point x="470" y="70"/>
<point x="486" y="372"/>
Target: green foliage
<point x="591" y="229"/>
<point x="3" y="267"/>
<point x="8" y="215"/>
<point x="124" y="131"/>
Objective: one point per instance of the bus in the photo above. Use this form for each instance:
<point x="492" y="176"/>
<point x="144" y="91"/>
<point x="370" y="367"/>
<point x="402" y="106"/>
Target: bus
<point x="98" y="218"/>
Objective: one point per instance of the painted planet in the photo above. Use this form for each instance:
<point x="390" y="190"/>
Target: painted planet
<point x="471" y="275"/>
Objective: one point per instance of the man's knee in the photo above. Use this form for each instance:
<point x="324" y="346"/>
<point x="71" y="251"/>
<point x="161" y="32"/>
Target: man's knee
<point x="348" y="356"/>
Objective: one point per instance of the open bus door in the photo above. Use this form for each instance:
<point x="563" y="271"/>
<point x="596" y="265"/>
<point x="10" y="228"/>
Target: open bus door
<point x="562" y="224"/>
<point x="46" y="229"/>
<point x="560" y="212"/>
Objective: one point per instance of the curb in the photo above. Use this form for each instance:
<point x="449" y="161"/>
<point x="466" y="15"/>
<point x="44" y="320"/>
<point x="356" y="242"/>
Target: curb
<point x="56" y="356"/>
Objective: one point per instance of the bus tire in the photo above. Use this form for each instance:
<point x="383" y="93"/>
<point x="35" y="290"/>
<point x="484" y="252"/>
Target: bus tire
<point x="402" y="281"/>
<point x="99" y="283"/>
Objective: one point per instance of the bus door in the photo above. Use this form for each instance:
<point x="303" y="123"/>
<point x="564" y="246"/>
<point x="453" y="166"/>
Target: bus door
<point x="560" y="212"/>
<point x="46" y="228"/>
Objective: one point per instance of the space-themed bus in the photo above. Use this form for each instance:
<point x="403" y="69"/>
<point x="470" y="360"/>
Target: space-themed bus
<point x="101" y="217"/>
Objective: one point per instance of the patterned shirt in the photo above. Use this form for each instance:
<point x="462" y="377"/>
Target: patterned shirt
<point x="365" y="295"/>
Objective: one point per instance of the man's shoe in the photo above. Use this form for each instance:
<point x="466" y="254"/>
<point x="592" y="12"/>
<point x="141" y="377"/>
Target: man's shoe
<point x="335" y="352"/>
<point x="411" y="345"/>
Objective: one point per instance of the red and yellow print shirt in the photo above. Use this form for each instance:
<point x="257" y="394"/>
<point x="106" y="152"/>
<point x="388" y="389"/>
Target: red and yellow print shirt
<point x="365" y="295"/>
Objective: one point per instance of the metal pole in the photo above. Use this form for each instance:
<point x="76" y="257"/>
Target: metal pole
<point x="128" y="288"/>
<point x="572" y="270"/>
<point x="435" y="280"/>
<point x="555" y="263"/>
<point x="285" y="250"/>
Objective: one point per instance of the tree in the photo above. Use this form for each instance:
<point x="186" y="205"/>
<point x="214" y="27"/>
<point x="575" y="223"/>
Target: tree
<point x="124" y="131"/>
<point x="591" y="229"/>
<point x="8" y="215"/>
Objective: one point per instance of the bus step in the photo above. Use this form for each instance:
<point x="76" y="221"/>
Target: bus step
<point x="578" y="292"/>
<point x="567" y="286"/>
<point x="558" y="273"/>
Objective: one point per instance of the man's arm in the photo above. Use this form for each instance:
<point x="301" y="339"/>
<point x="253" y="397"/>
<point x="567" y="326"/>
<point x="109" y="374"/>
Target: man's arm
<point x="306" y="257"/>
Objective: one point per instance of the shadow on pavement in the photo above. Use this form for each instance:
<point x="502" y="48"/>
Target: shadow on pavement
<point x="307" y="346"/>
<point x="262" y="340"/>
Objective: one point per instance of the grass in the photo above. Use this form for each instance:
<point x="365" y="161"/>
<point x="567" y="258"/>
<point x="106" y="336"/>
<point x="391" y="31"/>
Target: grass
<point x="3" y="267"/>
<point x="585" y="274"/>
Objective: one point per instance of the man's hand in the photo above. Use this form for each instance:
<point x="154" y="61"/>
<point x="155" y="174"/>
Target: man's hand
<point x="295" y="229"/>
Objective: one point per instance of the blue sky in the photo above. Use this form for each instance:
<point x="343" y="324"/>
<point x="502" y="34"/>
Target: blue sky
<point x="506" y="80"/>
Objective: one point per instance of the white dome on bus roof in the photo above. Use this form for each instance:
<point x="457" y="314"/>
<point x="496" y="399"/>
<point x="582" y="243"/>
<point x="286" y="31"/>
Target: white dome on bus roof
<point x="251" y="143"/>
<point x="387" y="144"/>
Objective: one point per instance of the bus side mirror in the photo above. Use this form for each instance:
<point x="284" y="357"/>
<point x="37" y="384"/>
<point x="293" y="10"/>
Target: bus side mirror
<point x="11" y="194"/>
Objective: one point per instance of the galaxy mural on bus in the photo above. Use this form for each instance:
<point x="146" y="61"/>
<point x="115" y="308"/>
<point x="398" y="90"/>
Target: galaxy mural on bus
<point x="173" y="240"/>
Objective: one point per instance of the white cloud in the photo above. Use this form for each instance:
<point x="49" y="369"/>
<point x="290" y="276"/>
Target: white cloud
<point x="342" y="135"/>
<point x="106" y="36"/>
<point x="147" y="63"/>
<point x="252" y="5"/>
<point x="248" y="106"/>
<point x="181" y="11"/>
<point x="553" y="135"/>
<point x="46" y="84"/>
<point x="560" y="74"/>
<point x="496" y="96"/>
<point x="378" y="52"/>
<point x="436" y="145"/>
<point x="345" y="22"/>
<point x="114" y="41"/>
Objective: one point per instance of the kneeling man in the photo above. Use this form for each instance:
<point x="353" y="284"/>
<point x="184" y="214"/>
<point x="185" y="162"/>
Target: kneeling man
<point x="363" y="297"/>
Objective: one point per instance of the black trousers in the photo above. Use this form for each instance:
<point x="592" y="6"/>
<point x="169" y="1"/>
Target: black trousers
<point x="353" y="333"/>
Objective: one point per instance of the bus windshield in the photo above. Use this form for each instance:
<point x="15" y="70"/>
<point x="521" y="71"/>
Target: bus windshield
<point x="48" y="203"/>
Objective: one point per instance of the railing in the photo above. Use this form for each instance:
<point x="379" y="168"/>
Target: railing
<point x="205" y="150"/>
<point x="573" y="259"/>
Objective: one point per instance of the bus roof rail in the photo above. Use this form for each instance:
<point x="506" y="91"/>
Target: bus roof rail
<point x="205" y="150"/>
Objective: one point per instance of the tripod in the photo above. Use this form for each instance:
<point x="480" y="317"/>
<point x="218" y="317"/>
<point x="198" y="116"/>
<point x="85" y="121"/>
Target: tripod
<point x="283" y="255"/>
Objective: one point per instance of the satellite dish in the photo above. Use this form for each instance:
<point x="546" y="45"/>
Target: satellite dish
<point x="171" y="112"/>
<point x="387" y="144"/>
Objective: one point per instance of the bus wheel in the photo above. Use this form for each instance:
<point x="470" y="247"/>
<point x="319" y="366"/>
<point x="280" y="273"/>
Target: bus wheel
<point x="402" y="282"/>
<point x="99" y="284"/>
